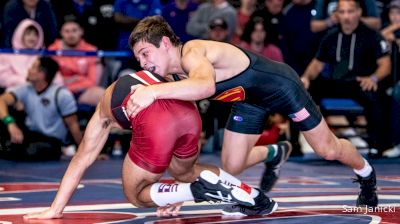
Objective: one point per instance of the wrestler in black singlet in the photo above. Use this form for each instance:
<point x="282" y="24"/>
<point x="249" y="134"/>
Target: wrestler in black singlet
<point x="265" y="87"/>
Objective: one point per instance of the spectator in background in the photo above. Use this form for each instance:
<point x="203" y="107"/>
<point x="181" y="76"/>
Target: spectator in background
<point x="256" y="39"/>
<point x="127" y="14"/>
<point x="218" y="30"/>
<point x="177" y="15"/>
<point x="95" y="17"/>
<point x="299" y="45"/>
<point x="392" y="31"/>
<point x="14" y="67"/>
<point x="359" y="58"/>
<point x="272" y="16"/>
<point x="247" y="7"/>
<point x="39" y="10"/>
<point x="198" y="25"/>
<point x="80" y="73"/>
<point x="50" y="111"/>
<point x="392" y="34"/>
<point x="326" y="16"/>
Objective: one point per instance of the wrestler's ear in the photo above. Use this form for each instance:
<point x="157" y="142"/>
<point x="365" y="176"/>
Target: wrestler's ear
<point x="166" y="42"/>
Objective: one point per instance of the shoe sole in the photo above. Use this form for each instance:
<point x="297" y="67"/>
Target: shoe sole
<point x="239" y="195"/>
<point x="241" y="214"/>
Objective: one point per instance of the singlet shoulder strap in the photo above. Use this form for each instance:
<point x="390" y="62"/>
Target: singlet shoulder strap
<point x="146" y="77"/>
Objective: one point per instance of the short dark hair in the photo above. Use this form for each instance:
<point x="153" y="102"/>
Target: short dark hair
<point x="70" y="18"/>
<point x="49" y="66"/>
<point x="151" y="29"/>
<point x="358" y="4"/>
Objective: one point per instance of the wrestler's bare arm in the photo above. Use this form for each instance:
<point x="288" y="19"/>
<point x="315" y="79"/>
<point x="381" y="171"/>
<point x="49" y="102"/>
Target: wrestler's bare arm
<point x="201" y="81"/>
<point x="92" y="143"/>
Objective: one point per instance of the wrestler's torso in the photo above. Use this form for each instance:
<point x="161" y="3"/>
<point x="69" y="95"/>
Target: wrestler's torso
<point x="245" y="76"/>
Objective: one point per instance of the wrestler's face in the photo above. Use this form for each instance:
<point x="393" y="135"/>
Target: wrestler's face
<point x="349" y="15"/>
<point x="151" y="58"/>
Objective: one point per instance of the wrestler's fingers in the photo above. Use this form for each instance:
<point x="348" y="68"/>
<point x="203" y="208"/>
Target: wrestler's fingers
<point x="134" y="87"/>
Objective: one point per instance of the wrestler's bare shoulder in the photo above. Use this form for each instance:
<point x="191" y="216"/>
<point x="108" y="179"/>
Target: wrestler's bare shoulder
<point x="226" y="58"/>
<point x="105" y="103"/>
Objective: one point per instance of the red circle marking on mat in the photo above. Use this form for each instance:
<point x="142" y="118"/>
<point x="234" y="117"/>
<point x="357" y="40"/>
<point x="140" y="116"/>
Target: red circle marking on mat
<point x="73" y="218"/>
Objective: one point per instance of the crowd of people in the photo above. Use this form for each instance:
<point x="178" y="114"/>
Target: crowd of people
<point x="309" y="35"/>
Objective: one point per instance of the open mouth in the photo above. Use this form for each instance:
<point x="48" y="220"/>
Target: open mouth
<point x="151" y="69"/>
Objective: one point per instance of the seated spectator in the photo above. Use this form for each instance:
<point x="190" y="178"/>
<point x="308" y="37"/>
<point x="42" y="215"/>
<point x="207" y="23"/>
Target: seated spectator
<point x="14" y="67"/>
<point x="218" y="30"/>
<point x="358" y="56"/>
<point x="247" y="7"/>
<point x="177" y="14"/>
<point x="96" y="18"/>
<point x="80" y="73"/>
<point x="39" y="10"/>
<point x="326" y="15"/>
<point x="198" y="24"/>
<point x="50" y="110"/>
<point x="255" y="38"/>
<point x="392" y="32"/>
<point x="272" y="15"/>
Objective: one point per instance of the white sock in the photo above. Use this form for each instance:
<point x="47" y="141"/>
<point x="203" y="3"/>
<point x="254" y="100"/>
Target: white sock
<point x="365" y="171"/>
<point x="164" y="194"/>
<point x="230" y="180"/>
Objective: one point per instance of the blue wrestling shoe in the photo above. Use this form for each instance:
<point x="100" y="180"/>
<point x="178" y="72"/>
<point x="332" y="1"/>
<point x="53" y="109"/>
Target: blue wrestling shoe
<point x="208" y="187"/>
<point x="263" y="206"/>
<point x="367" y="195"/>
<point x="273" y="168"/>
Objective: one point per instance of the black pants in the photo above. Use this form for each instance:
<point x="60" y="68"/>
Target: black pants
<point x="375" y="105"/>
<point x="35" y="146"/>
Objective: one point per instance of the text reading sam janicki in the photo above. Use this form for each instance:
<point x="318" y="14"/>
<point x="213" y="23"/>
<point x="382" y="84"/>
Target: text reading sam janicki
<point x="366" y="209"/>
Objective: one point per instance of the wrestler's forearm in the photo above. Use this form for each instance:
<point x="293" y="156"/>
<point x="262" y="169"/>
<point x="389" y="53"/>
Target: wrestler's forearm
<point x="191" y="89"/>
<point x="70" y="182"/>
<point x="96" y="135"/>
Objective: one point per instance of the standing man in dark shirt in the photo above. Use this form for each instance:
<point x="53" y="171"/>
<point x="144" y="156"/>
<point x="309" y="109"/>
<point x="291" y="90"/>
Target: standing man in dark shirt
<point x="359" y="60"/>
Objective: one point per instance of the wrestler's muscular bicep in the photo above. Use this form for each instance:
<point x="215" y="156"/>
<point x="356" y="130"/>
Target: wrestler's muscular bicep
<point x="196" y="63"/>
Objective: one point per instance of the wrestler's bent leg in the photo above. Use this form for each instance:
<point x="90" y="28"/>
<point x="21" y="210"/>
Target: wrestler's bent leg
<point x="137" y="183"/>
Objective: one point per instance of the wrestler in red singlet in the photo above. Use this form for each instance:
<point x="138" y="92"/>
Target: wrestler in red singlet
<point x="166" y="128"/>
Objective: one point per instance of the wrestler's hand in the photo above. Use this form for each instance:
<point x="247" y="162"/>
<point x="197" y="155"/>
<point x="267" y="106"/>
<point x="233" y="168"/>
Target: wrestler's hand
<point x="46" y="214"/>
<point x="367" y="84"/>
<point x="141" y="98"/>
<point x="169" y="210"/>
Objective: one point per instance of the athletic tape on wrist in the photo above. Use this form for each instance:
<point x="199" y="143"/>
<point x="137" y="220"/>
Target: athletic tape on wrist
<point x="8" y="120"/>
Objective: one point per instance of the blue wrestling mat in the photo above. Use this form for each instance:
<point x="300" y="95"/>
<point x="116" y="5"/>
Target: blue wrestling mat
<point x="309" y="191"/>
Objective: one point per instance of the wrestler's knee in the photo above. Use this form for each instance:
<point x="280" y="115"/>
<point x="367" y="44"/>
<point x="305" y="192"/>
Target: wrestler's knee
<point x="330" y="149"/>
<point x="185" y="177"/>
<point x="133" y="198"/>
<point x="232" y="167"/>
